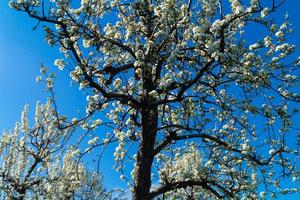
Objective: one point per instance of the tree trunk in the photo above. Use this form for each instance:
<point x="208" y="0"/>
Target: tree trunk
<point x="149" y="118"/>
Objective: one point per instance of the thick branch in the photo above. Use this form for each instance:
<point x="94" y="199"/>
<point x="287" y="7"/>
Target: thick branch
<point x="252" y="157"/>
<point x="183" y="184"/>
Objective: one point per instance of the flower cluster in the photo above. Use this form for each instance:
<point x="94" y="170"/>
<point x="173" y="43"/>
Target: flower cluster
<point x="35" y="163"/>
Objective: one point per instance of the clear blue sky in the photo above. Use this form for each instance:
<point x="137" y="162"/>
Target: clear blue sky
<point x="23" y="50"/>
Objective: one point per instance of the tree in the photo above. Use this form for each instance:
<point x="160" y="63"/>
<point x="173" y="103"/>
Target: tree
<point x="35" y="164"/>
<point x="167" y="71"/>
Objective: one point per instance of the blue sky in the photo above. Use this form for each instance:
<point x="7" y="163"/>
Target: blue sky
<point x="23" y="50"/>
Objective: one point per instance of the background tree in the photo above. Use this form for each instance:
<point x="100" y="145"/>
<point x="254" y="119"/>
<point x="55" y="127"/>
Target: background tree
<point x="36" y="164"/>
<point x="166" y="71"/>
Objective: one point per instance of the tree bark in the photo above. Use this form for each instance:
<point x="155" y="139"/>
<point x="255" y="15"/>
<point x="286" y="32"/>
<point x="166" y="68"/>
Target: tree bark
<point x="141" y="190"/>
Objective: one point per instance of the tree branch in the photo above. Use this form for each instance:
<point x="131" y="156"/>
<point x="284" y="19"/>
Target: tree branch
<point x="183" y="184"/>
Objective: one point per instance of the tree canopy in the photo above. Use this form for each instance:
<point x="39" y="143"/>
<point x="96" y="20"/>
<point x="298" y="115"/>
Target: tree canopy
<point x="36" y="164"/>
<point x="198" y="108"/>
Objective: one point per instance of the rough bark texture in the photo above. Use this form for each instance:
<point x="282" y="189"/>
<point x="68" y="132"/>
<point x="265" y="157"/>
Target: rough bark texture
<point x="145" y="154"/>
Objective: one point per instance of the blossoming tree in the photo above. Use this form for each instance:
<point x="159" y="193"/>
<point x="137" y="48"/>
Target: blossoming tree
<point x="165" y="72"/>
<point x="35" y="163"/>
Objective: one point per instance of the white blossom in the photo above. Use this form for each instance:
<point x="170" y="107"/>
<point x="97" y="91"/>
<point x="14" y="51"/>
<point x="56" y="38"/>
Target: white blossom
<point x="60" y="63"/>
